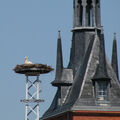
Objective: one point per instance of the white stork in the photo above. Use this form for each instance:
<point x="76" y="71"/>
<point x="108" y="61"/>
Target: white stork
<point x="26" y="61"/>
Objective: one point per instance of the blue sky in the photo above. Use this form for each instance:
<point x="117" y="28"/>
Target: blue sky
<point x="29" y="28"/>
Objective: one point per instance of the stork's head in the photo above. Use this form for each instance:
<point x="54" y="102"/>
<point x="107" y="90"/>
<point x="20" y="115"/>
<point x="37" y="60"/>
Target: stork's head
<point x="26" y="58"/>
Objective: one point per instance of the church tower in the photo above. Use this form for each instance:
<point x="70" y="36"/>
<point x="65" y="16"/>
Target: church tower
<point x="86" y="21"/>
<point x="88" y="88"/>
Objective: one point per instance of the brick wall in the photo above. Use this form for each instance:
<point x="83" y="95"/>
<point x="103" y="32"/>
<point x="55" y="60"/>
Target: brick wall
<point x="87" y="115"/>
<point x="96" y="115"/>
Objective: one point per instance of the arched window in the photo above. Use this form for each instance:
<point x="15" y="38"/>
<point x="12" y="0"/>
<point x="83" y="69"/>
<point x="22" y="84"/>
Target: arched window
<point x="89" y="13"/>
<point x="97" y="11"/>
<point x="81" y="12"/>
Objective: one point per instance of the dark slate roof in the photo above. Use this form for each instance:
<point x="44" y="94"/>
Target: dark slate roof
<point x="78" y="79"/>
<point x="80" y="96"/>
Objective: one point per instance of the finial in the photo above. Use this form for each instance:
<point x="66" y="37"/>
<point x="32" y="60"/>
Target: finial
<point x="95" y="31"/>
<point x="59" y="36"/>
<point x="115" y="36"/>
<point x="102" y="30"/>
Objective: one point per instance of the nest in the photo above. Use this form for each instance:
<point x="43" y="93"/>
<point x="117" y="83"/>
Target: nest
<point x="32" y="69"/>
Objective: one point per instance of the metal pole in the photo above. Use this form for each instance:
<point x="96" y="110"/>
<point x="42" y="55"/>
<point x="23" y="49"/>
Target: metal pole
<point x="26" y="107"/>
<point x="38" y="110"/>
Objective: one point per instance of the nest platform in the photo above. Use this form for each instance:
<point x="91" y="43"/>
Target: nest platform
<point x="32" y="69"/>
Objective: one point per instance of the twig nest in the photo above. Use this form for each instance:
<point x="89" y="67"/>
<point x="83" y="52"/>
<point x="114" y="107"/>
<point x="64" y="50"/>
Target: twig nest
<point x="32" y="69"/>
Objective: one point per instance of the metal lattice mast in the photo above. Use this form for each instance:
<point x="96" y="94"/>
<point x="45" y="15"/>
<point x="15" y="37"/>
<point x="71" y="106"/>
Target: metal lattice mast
<point x="32" y="100"/>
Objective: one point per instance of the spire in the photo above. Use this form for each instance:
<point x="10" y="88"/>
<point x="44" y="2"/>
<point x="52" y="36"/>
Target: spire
<point x="101" y="71"/>
<point x="59" y="62"/>
<point x="114" y="61"/>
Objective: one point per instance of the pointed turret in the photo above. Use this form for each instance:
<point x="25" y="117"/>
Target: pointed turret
<point x="59" y="61"/>
<point x="101" y="71"/>
<point x="64" y="77"/>
<point x="114" y="61"/>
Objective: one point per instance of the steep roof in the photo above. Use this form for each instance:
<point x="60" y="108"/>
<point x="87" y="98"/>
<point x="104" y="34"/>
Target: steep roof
<point x="80" y="95"/>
